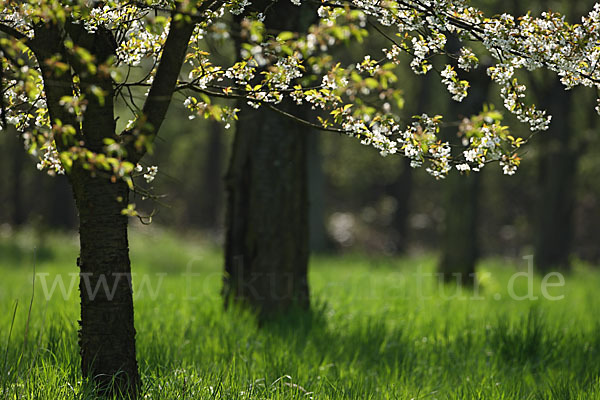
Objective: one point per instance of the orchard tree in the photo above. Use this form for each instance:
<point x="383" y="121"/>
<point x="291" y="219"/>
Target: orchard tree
<point x="66" y="64"/>
<point x="460" y="247"/>
<point x="558" y="159"/>
<point x="61" y="74"/>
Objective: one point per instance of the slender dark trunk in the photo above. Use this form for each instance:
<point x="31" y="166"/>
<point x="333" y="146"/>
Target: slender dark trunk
<point x="401" y="190"/>
<point x="212" y="187"/>
<point x="459" y="240"/>
<point x="17" y="156"/>
<point x="460" y="243"/>
<point x="316" y="186"/>
<point x="266" y="251"/>
<point x="557" y="166"/>
<point x="107" y="333"/>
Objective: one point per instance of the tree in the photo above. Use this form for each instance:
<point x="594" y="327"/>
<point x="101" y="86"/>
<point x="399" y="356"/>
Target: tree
<point x="460" y="244"/>
<point x="266" y="253"/>
<point x="267" y="239"/>
<point x="207" y="210"/>
<point x="61" y="67"/>
<point x="559" y="155"/>
<point x="66" y="64"/>
<point x="318" y="238"/>
<point x="16" y="158"/>
<point x="401" y="189"/>
<point x="558" y="161"/>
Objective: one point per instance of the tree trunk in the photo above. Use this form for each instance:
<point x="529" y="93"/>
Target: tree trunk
<point x="212" y="188"/>
<point x="316" y="196"/>
<point x="266" y="250"/>
<point x="401" y="190"/>
<point x="460" y="244"/>
<point x="558" y="162"/>
<point x="267" y="216"/>
<point x="59" y="208"/>
<point x="459" y="239"/>
<point x="18" y="156"/>
<point x="107" y="334"/>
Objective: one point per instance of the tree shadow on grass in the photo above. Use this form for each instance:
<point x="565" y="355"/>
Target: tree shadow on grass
<point x="368" y="344"/>
<point x="562" y="363"/>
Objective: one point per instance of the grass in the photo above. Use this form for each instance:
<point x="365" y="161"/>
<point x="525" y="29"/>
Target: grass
<point x="380" y="328"/>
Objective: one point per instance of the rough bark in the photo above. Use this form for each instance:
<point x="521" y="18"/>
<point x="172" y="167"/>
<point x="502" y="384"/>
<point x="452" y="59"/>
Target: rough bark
<point x="557" y="171"/>
<point x="107" y="333"/>
<point x="266" y="250"/>
<point x="267" y="219"/>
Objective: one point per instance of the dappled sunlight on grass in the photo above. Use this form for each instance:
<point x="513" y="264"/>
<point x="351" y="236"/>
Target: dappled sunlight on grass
<point x="380" y="328"/>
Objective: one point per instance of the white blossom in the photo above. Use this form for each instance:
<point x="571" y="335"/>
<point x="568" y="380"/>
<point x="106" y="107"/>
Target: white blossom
<point x="150" y="173"/>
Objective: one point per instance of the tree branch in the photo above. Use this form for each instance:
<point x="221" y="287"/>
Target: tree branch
<point x="159" y="97"/>
<point x="14" y="33"/>
<point x="264" y="103"/>
<point x="48" y="43"/>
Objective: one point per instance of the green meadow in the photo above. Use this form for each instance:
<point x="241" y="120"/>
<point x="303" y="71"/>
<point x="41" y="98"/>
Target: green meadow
<point x="379" y="328"/>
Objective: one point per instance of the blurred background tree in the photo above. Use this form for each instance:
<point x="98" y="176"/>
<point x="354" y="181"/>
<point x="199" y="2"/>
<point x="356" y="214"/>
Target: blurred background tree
<point x="360" y="201"/>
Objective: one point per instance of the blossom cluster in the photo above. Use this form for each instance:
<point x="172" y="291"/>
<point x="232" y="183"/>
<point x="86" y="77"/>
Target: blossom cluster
<point x="361" y="98"/>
